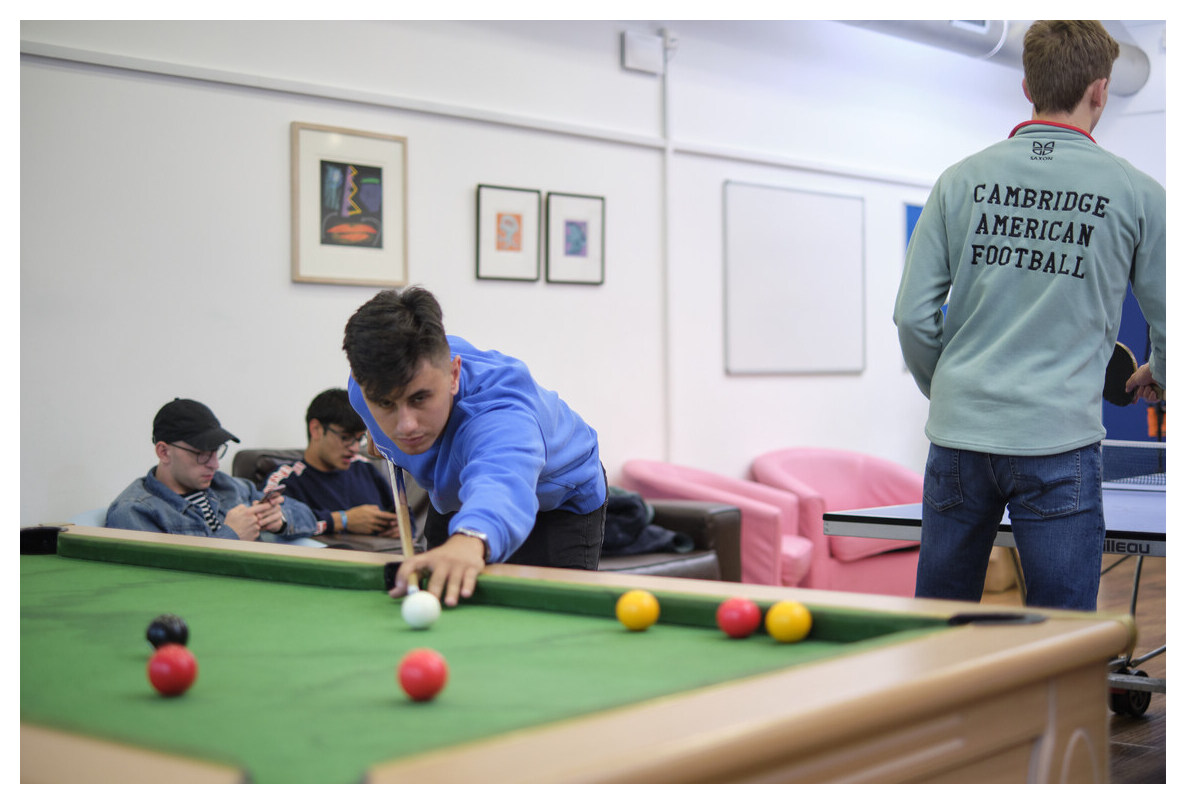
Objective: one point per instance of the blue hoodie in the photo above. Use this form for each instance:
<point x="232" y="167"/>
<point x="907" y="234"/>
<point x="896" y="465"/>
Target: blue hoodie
<point x="509" y="450"/>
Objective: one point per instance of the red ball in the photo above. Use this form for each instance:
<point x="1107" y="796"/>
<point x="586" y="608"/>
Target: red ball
<point x="172" y="669"/>
<point x="738" y="617"/>
<point x="423" y="673"/>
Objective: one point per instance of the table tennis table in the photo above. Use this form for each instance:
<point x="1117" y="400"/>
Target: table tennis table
<point x="1134" y="523"/>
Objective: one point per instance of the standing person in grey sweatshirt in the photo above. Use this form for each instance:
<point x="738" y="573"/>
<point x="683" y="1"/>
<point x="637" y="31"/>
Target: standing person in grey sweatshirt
<point x="1032" y="244"/>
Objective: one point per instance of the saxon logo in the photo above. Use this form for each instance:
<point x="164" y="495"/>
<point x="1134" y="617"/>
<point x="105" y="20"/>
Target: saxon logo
<point x="1044" y="148"/>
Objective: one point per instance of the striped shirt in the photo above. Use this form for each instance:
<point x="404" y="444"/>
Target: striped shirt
<point x="201" y="499"/>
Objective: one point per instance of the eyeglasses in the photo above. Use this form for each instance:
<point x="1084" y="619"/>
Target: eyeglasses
<point x="203" y="455"/>
<point x="348" y="440"/>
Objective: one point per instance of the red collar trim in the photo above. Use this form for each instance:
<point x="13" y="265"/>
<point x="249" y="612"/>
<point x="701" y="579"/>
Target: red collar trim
<point x="1020" y="126"/>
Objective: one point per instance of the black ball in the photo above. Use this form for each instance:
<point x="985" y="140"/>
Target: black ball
<point x="168" y="629"/>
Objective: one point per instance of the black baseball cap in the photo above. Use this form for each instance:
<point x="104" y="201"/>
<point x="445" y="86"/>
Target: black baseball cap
<point x="190" y="421"/>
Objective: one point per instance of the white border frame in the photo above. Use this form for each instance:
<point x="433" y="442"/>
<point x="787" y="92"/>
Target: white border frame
<point x="492" y="263"/>
<point x="386" y="266"/>
<point x="586" y="270"/>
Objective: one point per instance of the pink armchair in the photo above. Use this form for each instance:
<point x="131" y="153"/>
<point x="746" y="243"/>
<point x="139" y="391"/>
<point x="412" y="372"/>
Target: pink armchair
<point x="836" y="480"/>
<point x="772" y="551"/>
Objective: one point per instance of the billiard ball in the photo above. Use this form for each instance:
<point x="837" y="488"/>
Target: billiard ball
<point x="420" y="609"/>
<point x="738" y="617"/>
<point x="422" y="673"/>
<point x="788" y="621"/>
<point x="172" y="670"/>
<point x="168" y="629"/>
<point x="637" y="609"/>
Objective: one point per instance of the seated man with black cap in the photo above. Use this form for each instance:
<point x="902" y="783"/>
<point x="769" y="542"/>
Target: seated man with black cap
<point x="185" y="493"/>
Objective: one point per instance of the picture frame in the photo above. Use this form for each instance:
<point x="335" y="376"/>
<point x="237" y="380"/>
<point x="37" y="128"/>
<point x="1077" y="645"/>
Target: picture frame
<point x="349" y="206"/>
<point x="508" y="233"/>
<point x="576" y="239"/>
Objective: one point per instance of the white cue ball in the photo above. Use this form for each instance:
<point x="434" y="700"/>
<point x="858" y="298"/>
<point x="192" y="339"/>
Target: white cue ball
<point x="420" y="609"/>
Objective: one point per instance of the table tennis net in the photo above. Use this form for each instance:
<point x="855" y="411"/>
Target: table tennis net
<point x="1134" y="463"/>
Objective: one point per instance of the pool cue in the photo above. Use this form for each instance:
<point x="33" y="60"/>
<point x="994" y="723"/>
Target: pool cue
<point x="401" y="516"/>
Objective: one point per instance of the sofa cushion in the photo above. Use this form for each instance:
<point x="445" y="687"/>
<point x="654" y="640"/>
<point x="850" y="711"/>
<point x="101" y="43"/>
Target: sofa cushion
<point x="796" y="559"/>
<point x="701" y="564"/>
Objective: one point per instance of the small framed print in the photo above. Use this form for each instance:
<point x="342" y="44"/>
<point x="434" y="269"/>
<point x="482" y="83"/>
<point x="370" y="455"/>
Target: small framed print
<point x="576" y="239"/>
<point x="508" y="233"/>
<point x="349" y="206"/>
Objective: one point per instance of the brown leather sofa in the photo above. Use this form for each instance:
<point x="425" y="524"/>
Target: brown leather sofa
<point x="715" y="528"/>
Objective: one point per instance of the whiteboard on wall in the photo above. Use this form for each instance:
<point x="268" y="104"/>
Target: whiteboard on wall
<point x="794" y="281"/>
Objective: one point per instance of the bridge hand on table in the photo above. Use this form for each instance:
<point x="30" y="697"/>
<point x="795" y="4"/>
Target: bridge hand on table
<point x="452" y="569"/>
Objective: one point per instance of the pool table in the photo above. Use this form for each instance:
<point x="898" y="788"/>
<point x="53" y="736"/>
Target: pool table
<point x="297" y="650"/>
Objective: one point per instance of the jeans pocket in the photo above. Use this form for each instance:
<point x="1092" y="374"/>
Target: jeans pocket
<point x="941" y="480"/>
<point x="1048" y="486"/>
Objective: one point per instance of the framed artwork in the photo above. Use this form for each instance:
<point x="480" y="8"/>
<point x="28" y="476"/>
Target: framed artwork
<point x="508" y="233"/>
<point x="349" y="206"/>
<point x="576" y="239"/>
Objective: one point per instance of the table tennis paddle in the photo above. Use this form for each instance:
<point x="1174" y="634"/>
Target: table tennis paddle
<point x="1122" y="366"/>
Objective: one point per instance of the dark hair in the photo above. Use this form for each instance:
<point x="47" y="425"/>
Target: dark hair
<point x="390" y="336"/>
<point x="333" y="407"/>
<point x="1062" y="58"/>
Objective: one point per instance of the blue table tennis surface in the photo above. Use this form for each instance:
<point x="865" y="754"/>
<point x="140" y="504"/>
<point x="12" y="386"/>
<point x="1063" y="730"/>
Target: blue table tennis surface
<point x="1134" y="520"/>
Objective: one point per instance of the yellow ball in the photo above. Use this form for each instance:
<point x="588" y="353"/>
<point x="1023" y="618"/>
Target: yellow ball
<point x="788" y="621"/>
<point x="638" y="610"/>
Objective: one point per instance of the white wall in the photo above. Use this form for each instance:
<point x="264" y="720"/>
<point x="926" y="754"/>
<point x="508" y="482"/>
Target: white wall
<point x="155" y="219"/>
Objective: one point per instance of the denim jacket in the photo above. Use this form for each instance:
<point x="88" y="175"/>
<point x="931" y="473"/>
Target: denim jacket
<point x="148" y="504"/>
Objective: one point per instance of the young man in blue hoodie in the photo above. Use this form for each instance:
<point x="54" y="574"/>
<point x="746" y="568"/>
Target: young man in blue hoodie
<point x="512" y="473"/>
<point x="1036" y="239"/>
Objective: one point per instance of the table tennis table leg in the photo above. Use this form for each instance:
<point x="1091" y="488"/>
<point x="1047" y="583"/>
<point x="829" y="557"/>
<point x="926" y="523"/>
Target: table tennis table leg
<point x="1132" y="689"/>
<point x="1016" y="559"/>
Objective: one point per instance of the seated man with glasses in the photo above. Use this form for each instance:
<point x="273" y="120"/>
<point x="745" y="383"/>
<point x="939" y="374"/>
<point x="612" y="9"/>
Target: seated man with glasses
<point x="347" y="494"/>
<point x="185" y="493"/>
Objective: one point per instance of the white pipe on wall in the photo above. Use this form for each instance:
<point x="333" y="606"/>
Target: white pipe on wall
<point x="1002" y="42"/>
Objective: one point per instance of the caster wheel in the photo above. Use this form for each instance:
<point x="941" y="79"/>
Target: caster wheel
<point x="1133" y="703"/>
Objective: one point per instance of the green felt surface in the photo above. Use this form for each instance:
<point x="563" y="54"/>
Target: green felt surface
<point x="296" y="681"/>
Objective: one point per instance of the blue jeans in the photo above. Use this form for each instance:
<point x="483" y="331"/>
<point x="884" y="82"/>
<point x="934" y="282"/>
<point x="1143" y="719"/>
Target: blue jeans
<point x="1056" y="508"/>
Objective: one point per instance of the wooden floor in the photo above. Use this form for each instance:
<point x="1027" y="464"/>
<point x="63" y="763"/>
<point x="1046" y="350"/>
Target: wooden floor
<point x="1137" y="743"/>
